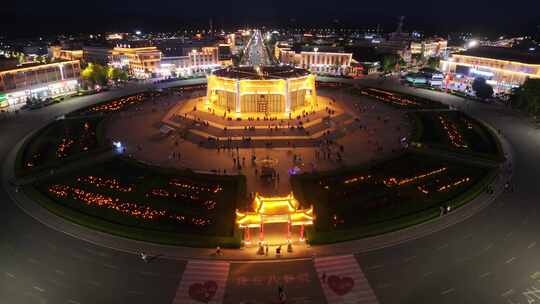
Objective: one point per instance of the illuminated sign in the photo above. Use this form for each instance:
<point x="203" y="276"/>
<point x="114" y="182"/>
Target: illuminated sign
<point x="481" y="73"/>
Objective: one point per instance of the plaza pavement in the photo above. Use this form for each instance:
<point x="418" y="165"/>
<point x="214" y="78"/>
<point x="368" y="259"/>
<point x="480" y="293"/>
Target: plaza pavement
<point x="488" y="258"/>
<point x="149" y="119"/>
<point x="140" y="129"/>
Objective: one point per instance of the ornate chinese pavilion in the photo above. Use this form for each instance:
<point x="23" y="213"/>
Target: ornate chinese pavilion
<point x="274" y="210"/>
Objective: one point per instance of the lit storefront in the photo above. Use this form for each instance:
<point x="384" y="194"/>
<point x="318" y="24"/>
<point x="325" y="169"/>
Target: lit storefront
<point x="141" y="62"/>
<point x="319" y="62"/>
<point x="277" y="89"/>
<point x="200" y="61"/>
<point x="502" y="68"/>
<point x="39" y="82"/>
<point x="429" y="48"/>
<point x="56" y="52"/>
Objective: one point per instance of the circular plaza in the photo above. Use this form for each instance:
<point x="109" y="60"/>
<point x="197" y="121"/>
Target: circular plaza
<point x="176" y="167"/>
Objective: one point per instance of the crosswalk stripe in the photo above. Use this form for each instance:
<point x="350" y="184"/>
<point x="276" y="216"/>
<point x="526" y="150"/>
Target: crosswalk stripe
<point x="345" y="268"/>
<point x="198" y="273"/>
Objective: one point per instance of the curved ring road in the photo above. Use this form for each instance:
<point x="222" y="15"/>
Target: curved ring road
<point x="491" y="257"/>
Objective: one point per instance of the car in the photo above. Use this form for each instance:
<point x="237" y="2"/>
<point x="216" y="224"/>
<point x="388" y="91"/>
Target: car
<point x="36" y="105"/>
<point x="49" y="101"/>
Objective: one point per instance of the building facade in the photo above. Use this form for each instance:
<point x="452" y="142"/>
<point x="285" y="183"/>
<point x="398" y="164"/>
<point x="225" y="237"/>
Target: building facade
<point x="197" y="61"/>
<point x="22" y="83"/>
<point x="502" y="68"/>
<point x="141" y="62"/>
<point x="318" y="62"/>
<point x="262" y="90"/>
<point x="429" y="48"/>
<point x="58" y="53"/>
<point x="97" y="54"/>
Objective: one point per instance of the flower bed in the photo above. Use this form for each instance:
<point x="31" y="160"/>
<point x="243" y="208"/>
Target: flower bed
<point x="456" y="131"/>
<point x="133" y="195"/>
<point x="399" y="100"/>
<point x="62" y="140"/>
<point x="384" y="194"/>
<point x="116" y="105"/>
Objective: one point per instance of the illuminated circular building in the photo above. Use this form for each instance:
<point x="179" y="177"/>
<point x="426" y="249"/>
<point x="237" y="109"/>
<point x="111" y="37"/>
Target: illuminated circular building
<point x="262" y="89"/>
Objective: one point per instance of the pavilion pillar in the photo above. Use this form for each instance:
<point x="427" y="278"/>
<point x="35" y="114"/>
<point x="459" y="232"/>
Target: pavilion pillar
<point x="208" y="90"/>
<point x="302" y="233"/>
<point x="287" y="97"/>
<point x="247" y="236"/>
<point x="289" y="229"/>
<point x="261" y="231"/>
<point x="238" y="101"/>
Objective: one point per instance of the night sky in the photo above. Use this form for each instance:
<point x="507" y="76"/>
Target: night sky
<point x="30" y="17"/>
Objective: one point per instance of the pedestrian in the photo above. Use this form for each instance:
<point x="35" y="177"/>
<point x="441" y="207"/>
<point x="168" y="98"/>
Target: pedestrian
<point x="266" y="250"/>
<point x="281" y="294"/>
<point x="144" y="257"/>
<point x="218" y="251"/>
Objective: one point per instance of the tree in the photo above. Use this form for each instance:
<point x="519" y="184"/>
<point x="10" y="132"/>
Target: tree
<point x="116" y="74"/>
<point x="527" y="97"/>
<point x="390" y="61"/>
<point x="94" y="74"/>
<point x="433" y="62"/>
<point x="417" y="58"/>
<point x="481" y="88"/>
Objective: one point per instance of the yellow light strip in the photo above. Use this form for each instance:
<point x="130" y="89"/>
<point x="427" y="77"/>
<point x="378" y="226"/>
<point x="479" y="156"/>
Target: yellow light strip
<point x="499" y="60"/>
<point x="38" y="66"/>
<point x="490" y="68"/>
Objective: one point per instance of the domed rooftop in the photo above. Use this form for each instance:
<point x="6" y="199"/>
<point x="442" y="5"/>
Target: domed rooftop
<point x="261" y="72"/>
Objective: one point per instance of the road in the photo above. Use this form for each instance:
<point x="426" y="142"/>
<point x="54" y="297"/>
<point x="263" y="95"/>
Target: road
<point x="255" y="52"/>
<point x="490" y="258"/>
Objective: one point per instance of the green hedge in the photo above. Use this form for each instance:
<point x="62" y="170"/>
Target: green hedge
<point x="160" y="237"/>
<point x="317" y="238"/>
<point x="35" y="139"/>
<point x="373" y="217"/>
<point x="222" y="229"/>
<point x="432" y="135"/>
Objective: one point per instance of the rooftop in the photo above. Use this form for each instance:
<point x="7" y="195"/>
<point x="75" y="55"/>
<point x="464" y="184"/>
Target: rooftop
<point x="502" y="53"/>
<point x="33" y="65"/>
<point x="263" y="72"/>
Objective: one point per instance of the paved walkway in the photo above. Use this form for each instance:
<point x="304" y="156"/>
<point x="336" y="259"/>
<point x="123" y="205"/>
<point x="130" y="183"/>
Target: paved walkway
<point x="343" y="282"/>
<point x="202" y="282"/>
<point x="363" y="142"/>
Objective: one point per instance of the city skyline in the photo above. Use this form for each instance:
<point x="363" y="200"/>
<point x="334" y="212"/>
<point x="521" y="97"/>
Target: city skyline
<point x="492" y="18"/>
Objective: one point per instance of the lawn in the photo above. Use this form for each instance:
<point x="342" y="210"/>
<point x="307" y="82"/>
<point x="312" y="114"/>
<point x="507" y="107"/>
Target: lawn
<point x="149" y="203"/>
<point x="67" y="139"/>
<point x="409" y="189"/>
<point x="455" y="130"/>
<point x="399" y="100"/>
<point x="116" y="105"/>
<point x="62" y="140"/>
